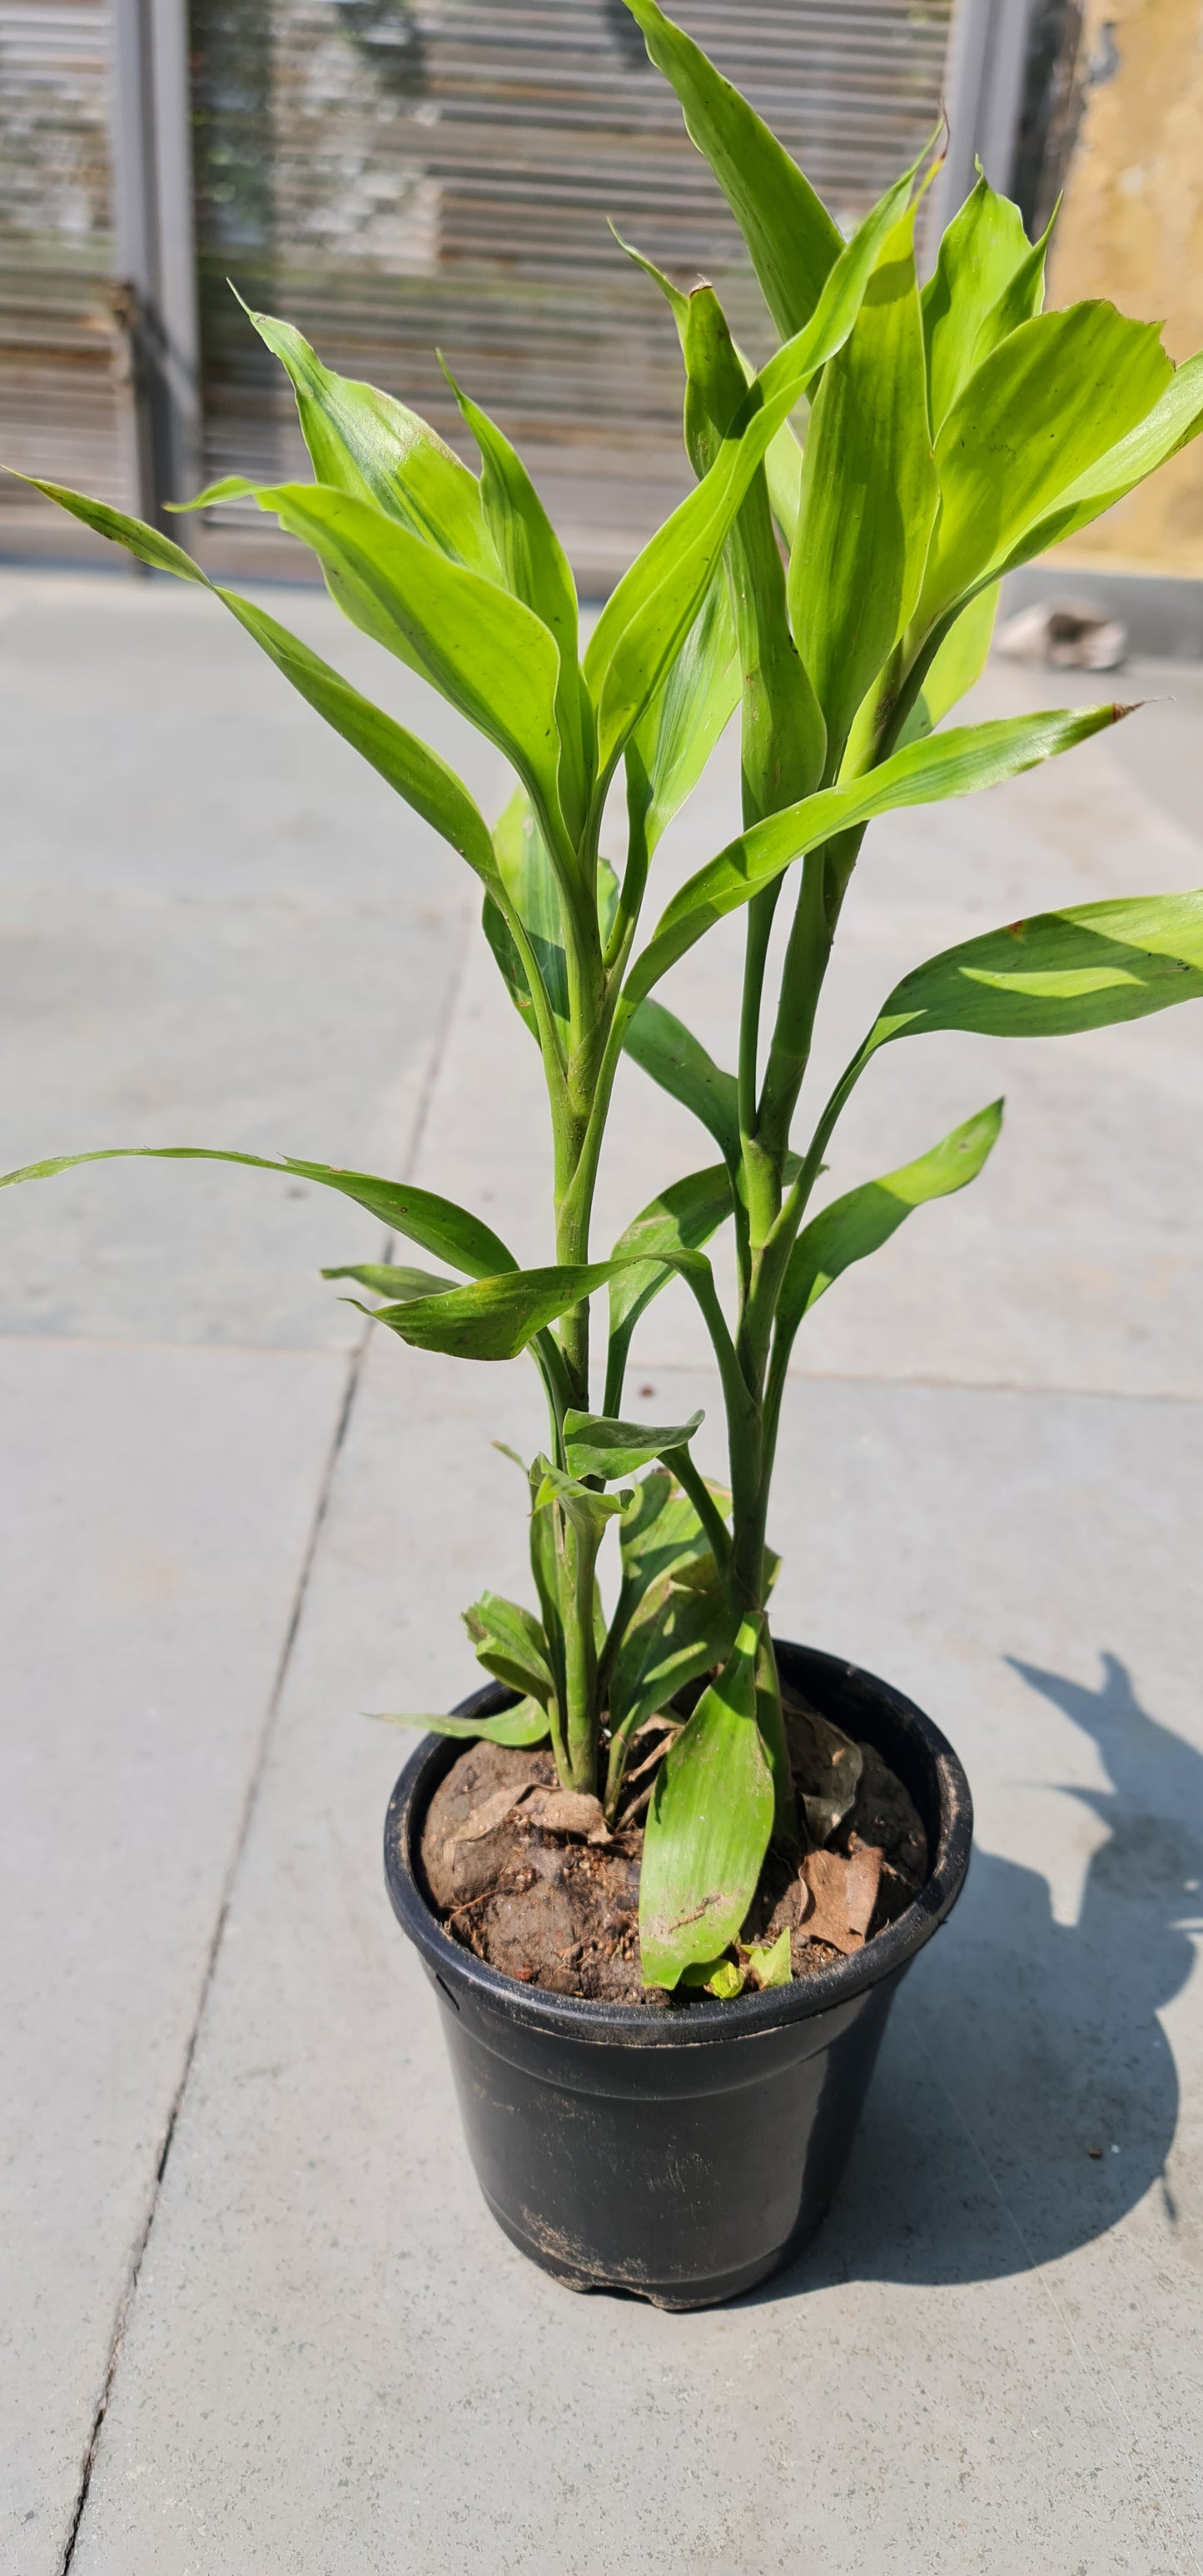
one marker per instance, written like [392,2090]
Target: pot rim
[580,2017]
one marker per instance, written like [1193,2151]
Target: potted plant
[664,1874]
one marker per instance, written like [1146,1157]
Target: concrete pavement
[257,2317]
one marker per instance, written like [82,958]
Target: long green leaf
[677,1631]
[366,443]
[662,1046]
[436,1223]
[537,571]
[983,249]
[647,617]
[869,496]
[1057,973]
[1048,404]
[673,740]
[527,1723]
[682,1218]
[481,648]
[958,763]
[595,1444]
[960,662]
[1172,423]
[495,1318]
[510,1643]
[660,1529]
[859,1223]
[410,766]
[708,1827]
[529,881]
[792,240]
[783,733]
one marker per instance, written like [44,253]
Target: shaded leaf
[959,763]
[708,1826]
[960,661]
[682,1218]
[389,1280]
[677,1631]
[495,1318]
[529,880]
[663,1047]
[596,1445]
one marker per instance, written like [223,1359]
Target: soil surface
[525,1874]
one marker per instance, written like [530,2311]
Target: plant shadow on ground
[1023,2043]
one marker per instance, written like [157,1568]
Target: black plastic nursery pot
[678,2155]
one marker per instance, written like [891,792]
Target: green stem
[580,1655]
[693,1483]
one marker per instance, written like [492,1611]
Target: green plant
[840,590]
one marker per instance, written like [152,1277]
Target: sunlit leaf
[869,495]
[647,617]
[983,250]
[477,645]
[366,443]
[409,765]
[537,571]
[959,763]
[527,1723]
[1043,410]
[1058,972]
[597,1445]
[792,240]
[708,1826]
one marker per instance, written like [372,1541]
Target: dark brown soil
[510,1867]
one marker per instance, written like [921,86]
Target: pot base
[677,2298]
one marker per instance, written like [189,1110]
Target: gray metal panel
[397,179]
[62,404]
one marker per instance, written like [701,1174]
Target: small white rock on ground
[295,2344]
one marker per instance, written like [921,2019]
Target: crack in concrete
[321,1510]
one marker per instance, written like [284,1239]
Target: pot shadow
[1026,2095]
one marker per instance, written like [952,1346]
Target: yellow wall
[1131,228]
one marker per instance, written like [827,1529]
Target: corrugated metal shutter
[62,411]
[395,177]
